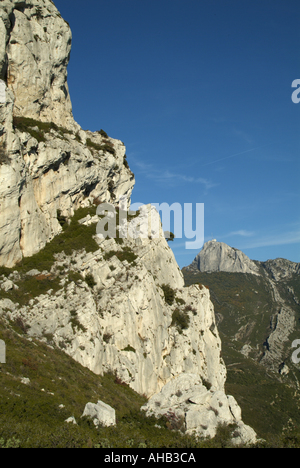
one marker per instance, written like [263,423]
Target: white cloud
[171,178]
[243,233]
[292,237]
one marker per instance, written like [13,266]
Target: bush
[75,322]
[61,219]
[180,319]
[4,158]
[106,147]
[25,124]
[129,348]
[103,133]
[169,293]
[169,236]
[125,254]
[89,279]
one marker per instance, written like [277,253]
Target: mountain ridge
[219,256]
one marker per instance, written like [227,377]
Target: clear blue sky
[200,93]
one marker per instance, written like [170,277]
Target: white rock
[124,324]
[244,434]
[217,256]
[25,381]
[70,420]
[7,285]
[2,352]
[100,413]
[202,410]
[33,272]
[7,304]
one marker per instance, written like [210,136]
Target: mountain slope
[258,319]
[217,256]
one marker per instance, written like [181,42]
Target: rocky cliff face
[36,45]
[48,164]
[217,256]
[124,309]
[120,306]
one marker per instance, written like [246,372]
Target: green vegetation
[4,157]
[76,325]
[169,293]
[180,319]
[61,219]
[170,236]
[125,254]
[129,348]
[106,147]
[38,129]
[89,279]
[60,387]
[269,402]
[30,287]
[103,133]
[74,236]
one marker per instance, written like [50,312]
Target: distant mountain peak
[218,256]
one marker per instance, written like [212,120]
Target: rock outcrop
[122,307]
[136,319]
[36,46]
[48,164]
[100,413]
[217,256]
[189,402]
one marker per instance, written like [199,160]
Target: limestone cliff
[48,164]
[218,256]
[124,309]
[122,306]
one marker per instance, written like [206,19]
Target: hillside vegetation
[243,306]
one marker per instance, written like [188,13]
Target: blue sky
[200,93]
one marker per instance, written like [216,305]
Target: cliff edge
[120,305]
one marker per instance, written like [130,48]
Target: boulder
[2,352]
[7,285]
[71,420]
[100,413]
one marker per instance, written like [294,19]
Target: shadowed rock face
[217,256]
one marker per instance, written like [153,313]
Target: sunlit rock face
[47,162]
